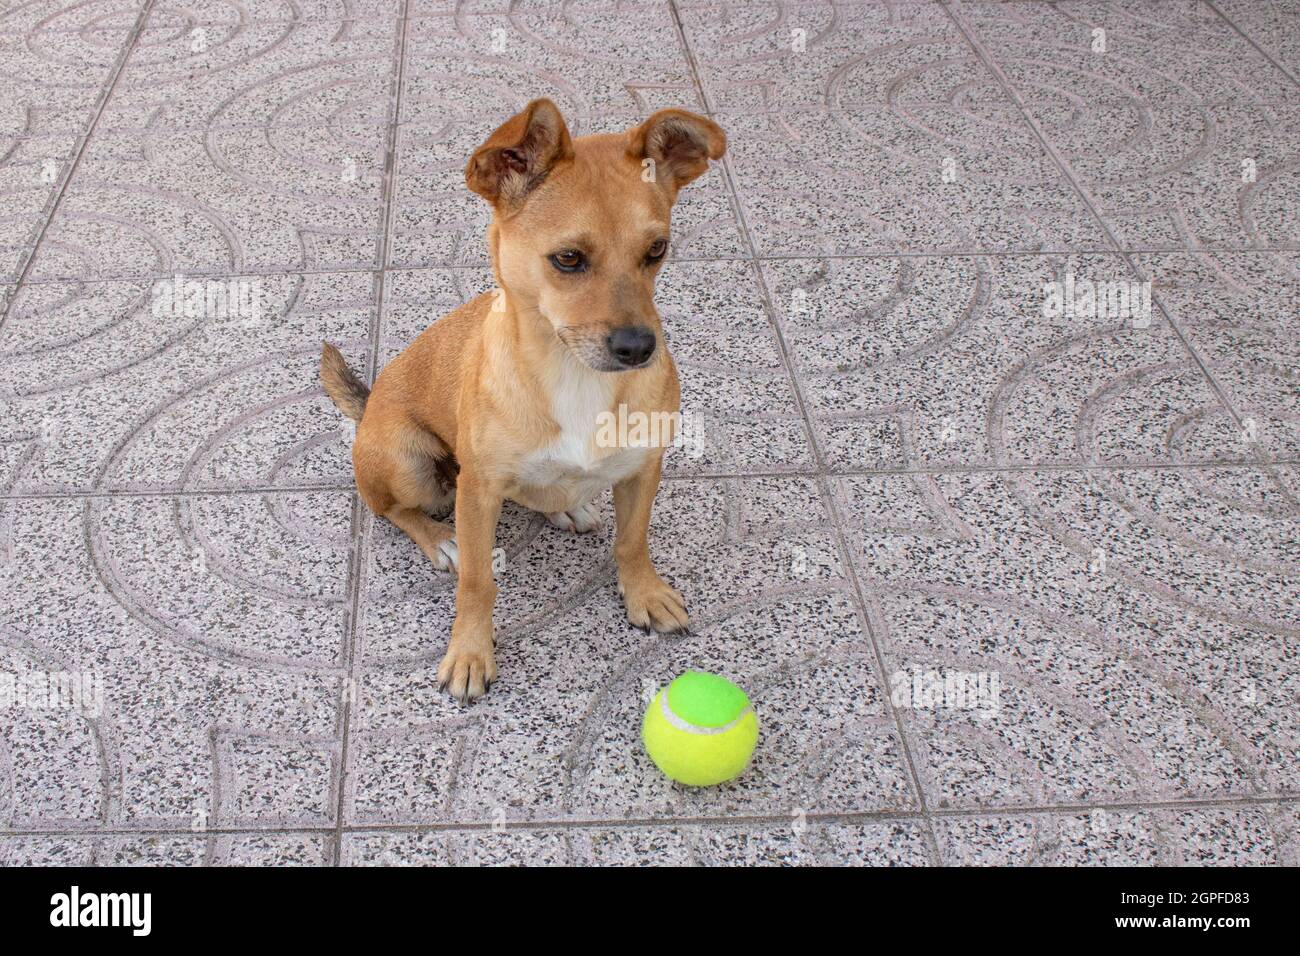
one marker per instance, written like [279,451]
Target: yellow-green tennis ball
[700,729]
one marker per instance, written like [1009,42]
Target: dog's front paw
[581,519]
[653,603]
[467,672]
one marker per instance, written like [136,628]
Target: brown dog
[504,397]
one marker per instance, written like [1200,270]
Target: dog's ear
[679,144]
[516,158]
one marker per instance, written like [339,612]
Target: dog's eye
[570,260]
[657,250]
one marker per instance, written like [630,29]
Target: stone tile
[1284,819]
[1099,837]
[51,81]
[207,634]
[198,75]
[1117,635]
[860,181]
[31,170]
[438,221]
[1238,312]
[40,17]
[558,736]
[1201,836]
[925,361]
[601,61]
[735,389]
[569,9]
[1173,51]
[154,203]
[714,844]
[1273,24]
[170,13]
[802,55]
[1176,177]
[102,393]
[242,849]
[1223,836]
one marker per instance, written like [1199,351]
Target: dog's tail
[341,384]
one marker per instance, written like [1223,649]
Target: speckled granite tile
[31,170]
[240,849]
[1199,836]
[210,632]
[50,82]
[1183,177]
[40,17]
[1284,820]
[100,392]
[1099,837]
[1272,24]
[152,203]
[1172,51]
[941,361]
[597,60]
[1239,311]
[817,54]
[559,733]
[569,9]
[438,221]
[198,75]
[720,844]
[245,12]
[1114,635]
[1221,836]
[860,181]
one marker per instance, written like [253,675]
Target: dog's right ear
[516,158]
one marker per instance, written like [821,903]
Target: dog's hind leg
[582,518]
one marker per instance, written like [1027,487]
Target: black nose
[630,345]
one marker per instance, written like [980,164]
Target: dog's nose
[630,345]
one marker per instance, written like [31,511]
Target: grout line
[823,487]
[1249,39]
[682,261]
[921,469]
[1067,172]
[359,530]
[848,817]
[106,93]
[629,114]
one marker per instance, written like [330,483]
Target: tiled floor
[1007,584]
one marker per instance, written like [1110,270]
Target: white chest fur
[575,467]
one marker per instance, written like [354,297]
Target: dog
[503,397]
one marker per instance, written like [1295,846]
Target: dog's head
[581,226]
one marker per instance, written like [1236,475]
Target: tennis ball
[700,729]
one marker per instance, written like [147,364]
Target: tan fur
[504,386]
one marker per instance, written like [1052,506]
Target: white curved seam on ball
[691,728]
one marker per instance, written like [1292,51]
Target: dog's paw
[585,517]
[656,604]
[467,673]
[447,557]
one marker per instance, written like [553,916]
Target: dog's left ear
[679,144]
